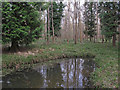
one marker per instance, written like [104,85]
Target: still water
[71,73]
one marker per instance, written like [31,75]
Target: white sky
[81,1]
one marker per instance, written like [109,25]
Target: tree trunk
[52,22]
[119,43]
[97,36]
[73,28]
[48,26]
[94,38]
[79,24]
[90,39]
[45,28]
[14,46]
[102,39]
[75,23]
[114,40]
[105,40]
[86,37]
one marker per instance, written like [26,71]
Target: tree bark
[102,39]
[14,46]
[48,26]
[94,38]
[90,39]
[44,28]
[119,36]
[73,28]
[68,22]
[75,23]
[114,40]
[97,37]
[52,22]
[106,41]
[79,24]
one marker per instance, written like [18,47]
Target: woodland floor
[105,56]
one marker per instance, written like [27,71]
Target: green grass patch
[105,56]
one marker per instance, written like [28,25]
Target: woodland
[38,32]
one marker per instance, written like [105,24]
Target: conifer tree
[58,8]
[109,20]
[21,23]
[89,19]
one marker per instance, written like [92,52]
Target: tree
[75,16]
[52,21]
[48,25]
[79,22]
[56,17]
[21,23]
[109,20]
[119,23]
[89,19]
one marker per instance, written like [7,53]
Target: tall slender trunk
[48,26]
[94,38]
[114,40]
[119,47]
[44,27]
[80,28]
[79,23]
[119,36]
[105,40]
[73,28]
[90,39]
[86,37]
[67,75]
[102,39]
[119,50]
[97,36]
[75,23]
[68,20]
[52,22]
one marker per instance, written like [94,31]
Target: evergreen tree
[21,23]
[57,16]
[109,19]
[89,19]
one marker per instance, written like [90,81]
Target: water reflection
[72,73]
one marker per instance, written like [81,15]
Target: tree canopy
[21,23]
[89,19]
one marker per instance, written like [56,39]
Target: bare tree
[79,21]
[48,26]
[52,21]
[45,26]
[75,15]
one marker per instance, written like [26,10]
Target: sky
[81,1]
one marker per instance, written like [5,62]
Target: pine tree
[89,19]
[109,20]
[20,23]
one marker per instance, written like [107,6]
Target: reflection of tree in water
[74,76]
[88,67]
[24,79]
[72,73]
[54,77]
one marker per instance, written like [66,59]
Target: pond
[71,73]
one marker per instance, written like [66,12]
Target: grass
[105,56]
